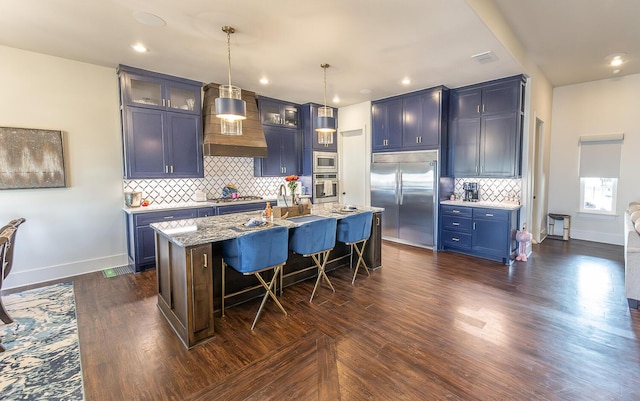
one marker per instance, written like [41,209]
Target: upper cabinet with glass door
[159,91]
[277,112]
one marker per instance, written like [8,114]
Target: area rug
[42,357]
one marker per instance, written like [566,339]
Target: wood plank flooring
[427,326]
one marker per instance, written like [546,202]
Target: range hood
[250,144]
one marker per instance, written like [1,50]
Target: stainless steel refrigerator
[405,184]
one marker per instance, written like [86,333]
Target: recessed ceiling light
[148,18]
[140,48]
[336,99]
[264,80]
[615,59]
[406,81]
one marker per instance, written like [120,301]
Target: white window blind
[600,155]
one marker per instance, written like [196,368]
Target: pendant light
[325,122]
[230,107]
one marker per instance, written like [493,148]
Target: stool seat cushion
[313,237]
[257,250]
[557,216]
[354,228]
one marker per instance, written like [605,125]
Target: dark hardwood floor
[427,326]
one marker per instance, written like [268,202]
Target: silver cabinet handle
[483,108]
[205,262]
[168,217]
[455,211]
[163,103]
[455,224]
[166,169]
[455,239]
[489,214]
[169,103]
[377,221]
[172,169]
[478,109]
[474,225]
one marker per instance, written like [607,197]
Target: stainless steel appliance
[405,184]
[470,191]
[325,187]
[325,162]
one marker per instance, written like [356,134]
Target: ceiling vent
[251,143]
[485,57]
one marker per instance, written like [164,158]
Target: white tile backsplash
[492,189]
[218,172]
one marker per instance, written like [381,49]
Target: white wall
[80,228]
[600,107]
[354,146]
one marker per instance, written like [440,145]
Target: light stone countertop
[192,232]
[157,207]
[485,204]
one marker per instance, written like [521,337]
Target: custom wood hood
[250,144]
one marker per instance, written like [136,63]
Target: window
[598,195]
[599,171]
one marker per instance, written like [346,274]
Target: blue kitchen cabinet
[161,125]
[386,125]
[414,121]
[206,211]
[283,153]
[240,208]
[484,232]
[485,129]
[309,134]
[278,113]
[141,237]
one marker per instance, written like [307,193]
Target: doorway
[539,221]
[354,186]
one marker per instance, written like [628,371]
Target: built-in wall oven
[325,162]
[325,187]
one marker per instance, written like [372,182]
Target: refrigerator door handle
[401,187]
[397,192]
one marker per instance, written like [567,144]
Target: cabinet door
[183,98]
[500,98]
[145,246]
[184,145]
[289,156]
[270,166]
[466,103]
[378,126]
[394,124]
[431,113]
[145,155]
[465,139]
[412,121]
[490,237]
[143,91]
[201,292]
[498,146]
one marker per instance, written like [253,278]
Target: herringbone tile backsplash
[218,172]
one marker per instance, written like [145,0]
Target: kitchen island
[189,266]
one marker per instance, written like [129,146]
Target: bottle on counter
[268,212]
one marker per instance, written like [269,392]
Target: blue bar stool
[315,238]
[254,253]
[355,230]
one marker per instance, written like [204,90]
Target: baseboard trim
[23,278]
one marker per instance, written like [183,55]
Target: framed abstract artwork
[31,158]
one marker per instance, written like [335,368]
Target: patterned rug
[42,357]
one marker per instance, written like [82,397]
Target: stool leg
[224,267]
[321,272]
[565,231]
[269,293]
[551,227]
[359,251]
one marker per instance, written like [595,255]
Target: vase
[293,199]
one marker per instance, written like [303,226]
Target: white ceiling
[370,44]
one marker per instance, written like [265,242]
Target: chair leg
[317,258]
[359,251]
[4,316]
[224,267]
[270,293]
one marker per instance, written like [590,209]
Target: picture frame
[31,158]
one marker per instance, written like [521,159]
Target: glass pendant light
[230,107]
[325,122]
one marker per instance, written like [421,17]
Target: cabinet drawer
[154,217]
[491,214]
[456,223]
[456,239]
[456,211]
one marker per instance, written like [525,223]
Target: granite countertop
[156,207]
[192,232]
[486,204]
